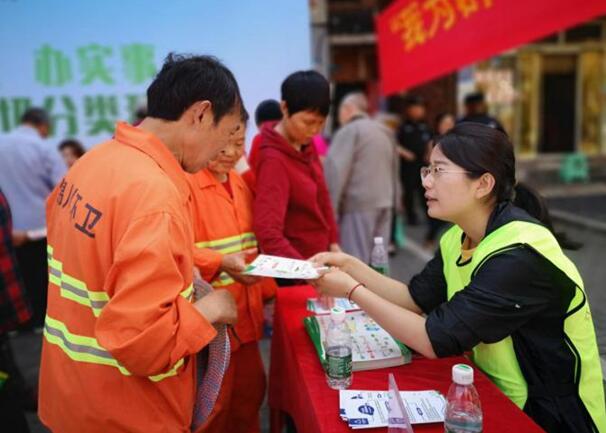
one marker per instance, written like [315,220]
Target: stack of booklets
[372,346]
[370,409]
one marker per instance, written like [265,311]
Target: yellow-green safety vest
[498,360]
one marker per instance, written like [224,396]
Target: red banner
[420,40]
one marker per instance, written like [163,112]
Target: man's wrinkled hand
[218,306]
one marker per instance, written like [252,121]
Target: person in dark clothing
[14,311]
[444,123]
[500,286]
[413,137]
[476,111]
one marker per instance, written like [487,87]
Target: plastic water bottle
[338,351]
[379,260]
[463,410]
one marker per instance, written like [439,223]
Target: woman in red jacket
[293,216]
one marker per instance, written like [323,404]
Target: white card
[282,267]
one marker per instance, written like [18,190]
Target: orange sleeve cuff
[269,289]
[195,331]
[208,262]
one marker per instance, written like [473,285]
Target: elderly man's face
[345,112]
[203,139]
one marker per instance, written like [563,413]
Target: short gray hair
[357,100]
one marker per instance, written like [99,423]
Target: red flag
[422,39]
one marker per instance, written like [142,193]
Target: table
[297,385]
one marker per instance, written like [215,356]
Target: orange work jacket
[223,225]
[121,334]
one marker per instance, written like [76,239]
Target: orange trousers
[241,395]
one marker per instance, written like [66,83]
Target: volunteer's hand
[334,283]
[335,248]
[19,237]
[339,260]
[234,264]
[218,306]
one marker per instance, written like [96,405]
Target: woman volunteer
[499,285]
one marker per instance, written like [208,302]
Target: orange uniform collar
[151,145]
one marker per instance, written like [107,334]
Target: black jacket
[414,136]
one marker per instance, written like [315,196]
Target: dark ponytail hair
[480,149]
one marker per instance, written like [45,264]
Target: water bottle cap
[378,240]
[337,314]
[462,374]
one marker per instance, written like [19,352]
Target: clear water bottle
[463,410]
[379,260]
[338,351]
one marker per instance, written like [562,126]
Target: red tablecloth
[298,387]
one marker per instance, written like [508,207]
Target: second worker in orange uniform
[224,240]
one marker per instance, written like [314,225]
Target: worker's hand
[234,264]
[19,237]
[334,283]
[340,260]
[218,306]
[335,248]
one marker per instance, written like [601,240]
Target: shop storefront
[549,95]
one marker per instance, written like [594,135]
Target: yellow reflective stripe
[249,240]
[223,280]
[86,349]
[73,289]
[232,249]
[249,244]
[218,242]
[172,372]
[77,347]
[187,293]
[232,244]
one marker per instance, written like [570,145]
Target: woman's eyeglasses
[436,171]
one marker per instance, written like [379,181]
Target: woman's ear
[485,186]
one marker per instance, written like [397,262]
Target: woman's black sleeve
[428,288]
[507,291]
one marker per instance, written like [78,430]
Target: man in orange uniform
[121,331]
[224,239]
